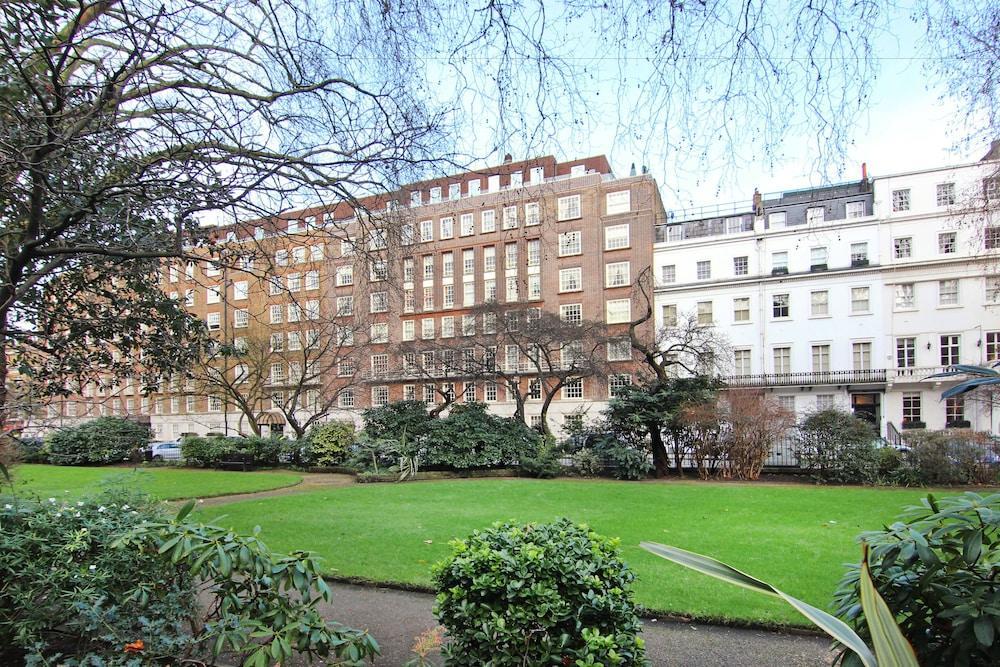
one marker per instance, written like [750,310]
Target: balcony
[870,376]
[919,374]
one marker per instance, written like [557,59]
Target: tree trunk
[661,463]
[6,442]
[678,455]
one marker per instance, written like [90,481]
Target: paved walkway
[394,618]
[311,481]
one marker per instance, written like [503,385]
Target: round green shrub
[538,594]
[327,444]
[936,568]
[100,441]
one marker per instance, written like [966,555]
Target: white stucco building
[848,295]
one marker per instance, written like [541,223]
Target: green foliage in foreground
[537,594]
[110,581]
[162,483]
[937,569]
[799,535]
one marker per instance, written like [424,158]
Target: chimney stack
[508,158]
[632,170]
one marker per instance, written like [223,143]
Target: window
[911,407]
[534,252]
[782,358]
[346,247]
[345,275]
[948,292]
[741,265]
[426,231]
[616,237]
[346,368]
[493,183]
[468,261]
[428,267]
[570,243]
[902,248]
[815,214]
[569,208]
[617,274]
[573,389]
[704,270]
[512,289]
[991,188]
[859,254]
[490,392]
[776,220]
[488,221]
[669,314]
[535,390]
[819,305]
[212,295]
[241,290]
[571,313]
[468,325]
[510,217]
[379,302]
[824,401]
[741,309]
[454,191]
[467,224]
[992,289]
[741,362]
[312,280]
[274,285]
[295,341]
[619,349]
[906,352]
[993,346]
[489,259]
[428,298]
[345,305]
[779,262]
[862,356]
[992,238]
[947,243]
[945,194]
[571,280]
[189,271]
[214,321]
[950,344]
[821,358]
[277,372]
[787,403]
[409,330]
[300,254]
[855,209]
[860,299]
[293,312]
[617,382]
[447,228]
[448,326]
[380,396]
[427,328]
[905,298]
[779,305]
[344,335]
[435,195]
[172,274]
[954,411]
[379,333]
[668,273]
[213,292]
[490,290]
[294,282]
[532,216]
[469,293]
[241,318]
[447,265]
[534,286]
[618,202]
[619,311]
[516,179]
[510,256]
[704,313]
[901,200]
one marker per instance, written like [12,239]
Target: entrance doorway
[866,406]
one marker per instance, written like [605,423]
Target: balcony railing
[870,376]
[916,374]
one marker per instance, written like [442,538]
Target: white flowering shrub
[111,581]
[68,597]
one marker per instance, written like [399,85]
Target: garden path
[395,617]
[311,481]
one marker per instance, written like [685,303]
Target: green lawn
[160,482]
[798,537]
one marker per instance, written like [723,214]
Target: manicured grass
[798,537]
[163,483]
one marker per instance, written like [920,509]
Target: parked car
[169,450]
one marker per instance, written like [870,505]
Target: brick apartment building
[314,317]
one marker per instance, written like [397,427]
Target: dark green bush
[835,446]
[936,568]
[543,462]
[392,421]
[472,437]
[952,457]
[212,450]
[537,594]
[31,450]
[587,462]
[100,441]
[625,460]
